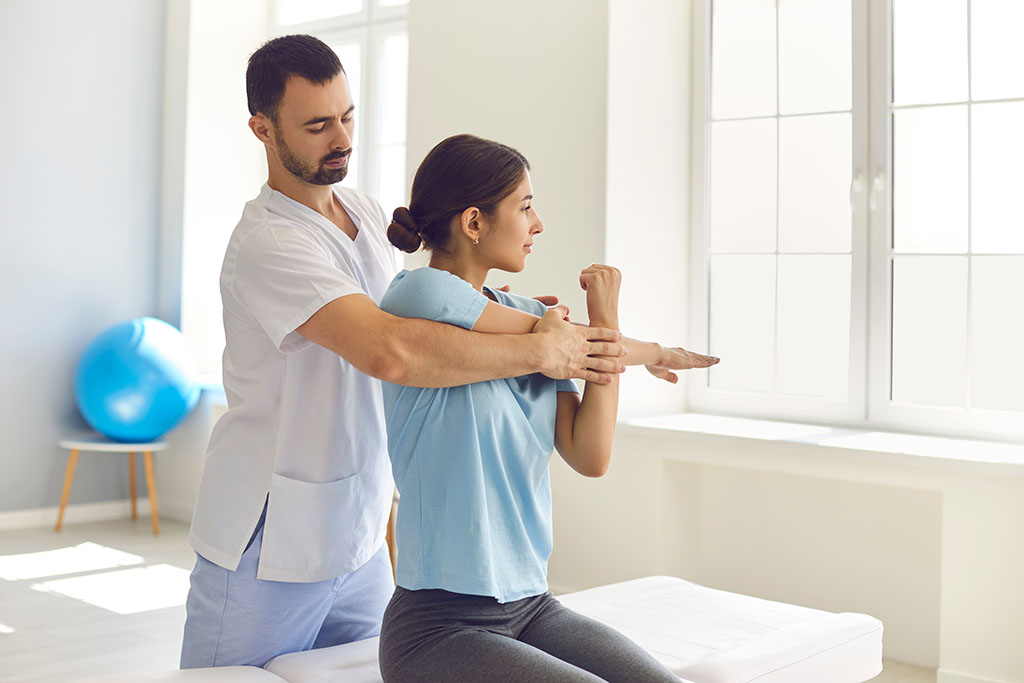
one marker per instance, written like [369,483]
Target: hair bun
[403,232]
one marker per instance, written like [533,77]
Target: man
[290,518]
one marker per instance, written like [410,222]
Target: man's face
[313,133]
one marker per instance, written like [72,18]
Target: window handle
[856,187]
[877,188]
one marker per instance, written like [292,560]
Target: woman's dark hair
[277,60]
[460,172]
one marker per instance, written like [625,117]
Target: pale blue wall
[80,129]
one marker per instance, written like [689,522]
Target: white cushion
[703,635]
[352,663]
[713,636]
[222,674]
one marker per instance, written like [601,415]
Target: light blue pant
[233,618]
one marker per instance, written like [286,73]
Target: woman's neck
[462,266]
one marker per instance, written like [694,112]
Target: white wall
[931,548]
[531,74]
[648,183]
[79,205]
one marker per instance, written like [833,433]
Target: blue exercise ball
[136,380]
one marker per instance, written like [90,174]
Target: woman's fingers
[681,359]
[663,373]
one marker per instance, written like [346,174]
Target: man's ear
[469,222]
[262,128]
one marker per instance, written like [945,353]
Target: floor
[121,608]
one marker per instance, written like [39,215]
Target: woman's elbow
[596,465]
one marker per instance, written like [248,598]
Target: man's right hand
[575,352]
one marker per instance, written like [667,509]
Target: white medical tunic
[304,430]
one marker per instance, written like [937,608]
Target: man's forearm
[431,354]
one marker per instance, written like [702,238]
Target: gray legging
[434,635]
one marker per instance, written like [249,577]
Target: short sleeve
[284,276]
[434,294]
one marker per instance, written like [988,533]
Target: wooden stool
[101,444]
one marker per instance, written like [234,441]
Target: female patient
[471,462]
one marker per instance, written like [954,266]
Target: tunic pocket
[318,530]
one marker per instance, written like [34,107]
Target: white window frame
[868,404]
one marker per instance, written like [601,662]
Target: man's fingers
[547,299]
[606,349]
[591,376]
[612,365]
[604,334]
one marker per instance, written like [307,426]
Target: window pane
[351,56]
[997,168]
[742,322]
[391,177]
[743,58]
[394,67]
[929,330]
[997,332]
[930,180]
[392,3]
[997,51]
[814,183]
[300,11]
[815,60]
[743,186]
[814,325]
[929,44]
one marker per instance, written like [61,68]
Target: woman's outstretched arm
[660,360]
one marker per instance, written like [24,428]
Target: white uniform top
[303,425]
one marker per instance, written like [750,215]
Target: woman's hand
[602,286]
[678,358]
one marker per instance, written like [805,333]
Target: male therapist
[290,519]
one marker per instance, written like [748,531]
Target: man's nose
[343,138]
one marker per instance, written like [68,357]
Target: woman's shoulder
[520,302]
[435,295]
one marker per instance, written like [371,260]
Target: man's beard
[318,176]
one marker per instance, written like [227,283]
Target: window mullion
[879,211]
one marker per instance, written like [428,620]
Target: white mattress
[222,674]
[703,635]
[712,636]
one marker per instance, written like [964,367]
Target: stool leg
[151,487]
[131,478]
[69,474]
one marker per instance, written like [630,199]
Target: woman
[471,462]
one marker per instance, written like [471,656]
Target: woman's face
[507,237]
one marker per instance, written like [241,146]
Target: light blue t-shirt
[470,462]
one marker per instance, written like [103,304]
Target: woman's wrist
[609,321]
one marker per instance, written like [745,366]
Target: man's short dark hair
[277,60]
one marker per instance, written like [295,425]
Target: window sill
[989,456]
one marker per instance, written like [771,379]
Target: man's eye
[347,119]
[321,129]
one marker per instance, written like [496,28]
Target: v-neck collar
[324,220]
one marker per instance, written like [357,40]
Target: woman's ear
[469,222]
